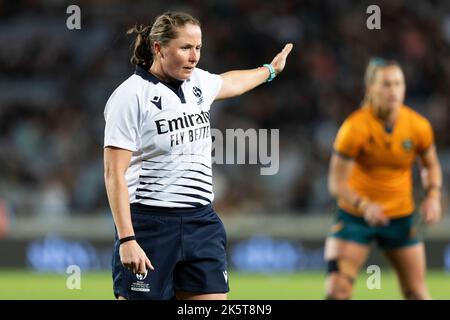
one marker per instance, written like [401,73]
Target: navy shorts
[187,248]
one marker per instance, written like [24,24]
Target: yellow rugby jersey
[383,161]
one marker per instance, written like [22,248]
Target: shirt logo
[407,145]
[157,102]
[198,93]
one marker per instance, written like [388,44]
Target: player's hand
[431,209]
[374,215]
[134,258]
[279,61]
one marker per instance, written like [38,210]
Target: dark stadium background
[54,83]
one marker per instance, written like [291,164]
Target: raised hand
[279,61]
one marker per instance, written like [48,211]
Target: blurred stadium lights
[256,243]
[263,253]
[447,259]
[55,254]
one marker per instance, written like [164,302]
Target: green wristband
[272,72]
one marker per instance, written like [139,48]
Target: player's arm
[339,174]
[116,162]
[237,82]
[431,174]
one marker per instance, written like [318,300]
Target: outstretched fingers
[280,59]
[287,49]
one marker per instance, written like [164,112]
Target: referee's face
[180,56]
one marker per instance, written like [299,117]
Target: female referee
[157,157]
[371,178]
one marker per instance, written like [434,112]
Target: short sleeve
[122,120]
[211,85]
[424,136]
[349,139]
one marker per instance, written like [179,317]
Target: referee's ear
[157,49]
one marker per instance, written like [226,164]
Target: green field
[298,286]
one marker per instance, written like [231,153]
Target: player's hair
[162,31]
[373,66]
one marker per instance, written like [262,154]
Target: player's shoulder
[355,124]
[358,122]
[413,115]
[358,117]
[417,121]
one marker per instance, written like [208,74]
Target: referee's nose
[194,55]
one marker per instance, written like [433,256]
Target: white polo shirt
[168,130]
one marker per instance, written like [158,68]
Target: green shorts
[400,232]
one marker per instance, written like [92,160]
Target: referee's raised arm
[237,82]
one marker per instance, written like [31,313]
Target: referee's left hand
[279,61]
